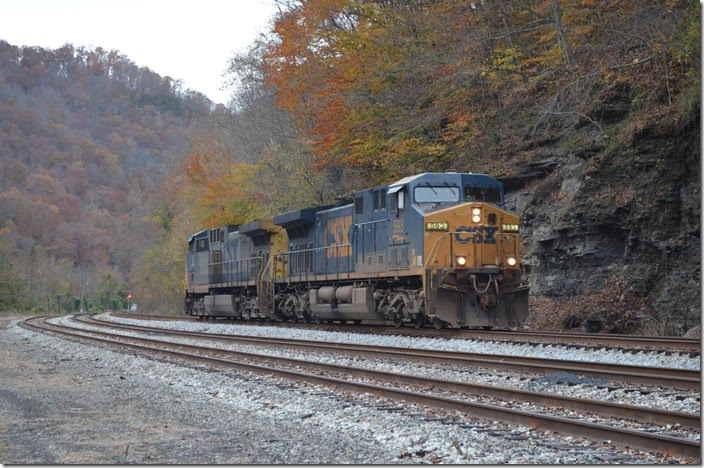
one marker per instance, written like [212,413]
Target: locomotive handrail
[372,222]
[438,243]
[512,237]
[261,281]
[266,279]
[325,248]
[230,272]
[266,268]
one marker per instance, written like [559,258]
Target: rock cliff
[611,226]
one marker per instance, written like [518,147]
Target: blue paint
[481,234]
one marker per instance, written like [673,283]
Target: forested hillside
[86,140]
[587,110]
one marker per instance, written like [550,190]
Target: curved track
[642,375]
[282,367]
[596,340]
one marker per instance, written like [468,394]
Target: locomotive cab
[471,259]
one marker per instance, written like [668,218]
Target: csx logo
[475,234]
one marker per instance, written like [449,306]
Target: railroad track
[587,340]
[642,375]
[288,368]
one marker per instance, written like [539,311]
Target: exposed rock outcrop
[616,228]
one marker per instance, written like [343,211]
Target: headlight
[511,261]
[460,260]
[476,218]
[476,211]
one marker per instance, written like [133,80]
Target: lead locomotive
[435,248]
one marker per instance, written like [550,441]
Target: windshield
[488,194]
[439,194]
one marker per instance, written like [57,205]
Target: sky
[187,40]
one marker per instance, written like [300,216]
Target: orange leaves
[337,66]
[217,188]
[401,86]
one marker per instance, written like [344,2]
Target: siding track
[284,367]
[587,340]
[641,375]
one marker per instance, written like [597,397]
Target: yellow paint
[398,231]
[279,243]
[337,233]
[440,248]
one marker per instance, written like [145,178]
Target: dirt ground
[55,415]
[71,407]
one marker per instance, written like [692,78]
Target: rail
[590,340]
[644,414]
[221,358]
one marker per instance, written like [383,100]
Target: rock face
[695,332]
[613,228]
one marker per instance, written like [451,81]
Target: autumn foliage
[87,139]
[404,86]
[216,187]
[107,168]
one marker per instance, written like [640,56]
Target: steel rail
[580,404]
[598,432]
[564,338]
[666,377]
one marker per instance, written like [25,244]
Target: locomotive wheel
[398,321]
[419,321]
[438,324]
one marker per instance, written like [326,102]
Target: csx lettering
[458,234]
[475,234]
[489,234]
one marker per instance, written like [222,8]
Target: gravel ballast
[549,351]
[560,384]
[67,402]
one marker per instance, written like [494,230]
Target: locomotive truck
[431,249]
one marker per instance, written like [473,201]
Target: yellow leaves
[381,86]
[612,75]
[505,66]
[460,131]
[216,187]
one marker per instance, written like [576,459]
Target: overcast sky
[187,40]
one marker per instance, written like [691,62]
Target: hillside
[86,140]
[588,111]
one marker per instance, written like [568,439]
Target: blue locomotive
[434,248]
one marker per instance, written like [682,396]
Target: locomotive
[431,249]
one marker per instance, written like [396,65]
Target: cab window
[436,194]
[485,194]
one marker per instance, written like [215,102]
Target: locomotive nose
[472,235]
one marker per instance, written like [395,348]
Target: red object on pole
[129,296]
